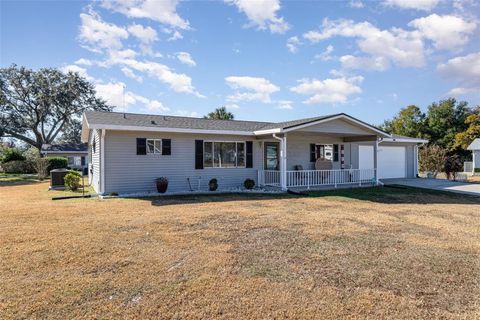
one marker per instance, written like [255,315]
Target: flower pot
[162,184]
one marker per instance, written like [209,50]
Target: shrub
[56,163]
[249,184]
[32,154]
[72,180]
[213,184]
[453,165]
[476,170]
[12,154]
[432,158]
[41,166]
[17,166]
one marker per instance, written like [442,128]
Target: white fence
[312,178]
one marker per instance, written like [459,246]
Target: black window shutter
[335,152]
[312,152]
[198,154]
[166,147]
[141,146]
[82,161]
[249,154]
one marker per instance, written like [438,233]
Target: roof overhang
[346,117]
[85,135]
[404,140]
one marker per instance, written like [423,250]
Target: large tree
[220,114]
[464,138]
[444,120]
[72,132]
[409,122]
[35,106]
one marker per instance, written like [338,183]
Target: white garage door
[391,162]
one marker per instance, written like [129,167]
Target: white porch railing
[269,178]
[312,178]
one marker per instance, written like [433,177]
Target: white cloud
[146,35]
[164,11]
[325,55]
[446,32]
[186,58]
[357,4]
[74,68]
[251,89]
[465,70]
[113,94]
[425,5]
[232,106]
[396,46]
[285,104]
[186,113]
[262,14]
[129,73]
[84,62]
[97,35]
[329,90]
[178,82]
[174,34]
[293,43]
[366,63]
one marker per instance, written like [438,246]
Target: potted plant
[162,184]
[213,184]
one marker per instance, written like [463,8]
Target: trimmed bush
[12,154]
[213,184]
[18,167]
[72,180]
[56,163]
[249,184]
[477,170]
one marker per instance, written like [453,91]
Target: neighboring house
[129,151]
[475,148]
[76,153]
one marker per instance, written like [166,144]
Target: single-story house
[475,148]
[76,153]
[129,151]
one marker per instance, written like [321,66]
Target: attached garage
[392,162]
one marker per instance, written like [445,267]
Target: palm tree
[220,114]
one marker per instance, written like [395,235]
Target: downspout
[283,161]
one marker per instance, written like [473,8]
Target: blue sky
[265,60]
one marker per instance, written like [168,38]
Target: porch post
[375,162]
[283,162]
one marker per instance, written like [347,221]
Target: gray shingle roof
[66,147]
[146,120]
[475,145]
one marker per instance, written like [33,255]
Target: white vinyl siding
[127,172]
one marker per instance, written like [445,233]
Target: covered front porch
[333,153]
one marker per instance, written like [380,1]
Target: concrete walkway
[437,184]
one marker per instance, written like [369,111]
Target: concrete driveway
[437,184]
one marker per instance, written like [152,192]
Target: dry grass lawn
[370,253]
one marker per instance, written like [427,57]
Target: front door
[271,155]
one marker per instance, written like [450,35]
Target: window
[224,154]
[154,146]
[324,151]
[74,161]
